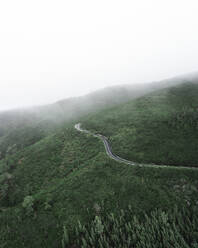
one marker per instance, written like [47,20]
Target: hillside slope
[66,176]
[23,127]
[160,128]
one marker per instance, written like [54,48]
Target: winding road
[122,160]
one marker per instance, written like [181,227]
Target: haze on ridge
[55,50]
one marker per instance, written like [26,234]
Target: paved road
[122,160]
[106,145]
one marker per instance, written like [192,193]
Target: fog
[51,50]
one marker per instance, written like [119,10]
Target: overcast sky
[51,50]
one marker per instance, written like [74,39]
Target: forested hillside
[23,127]
[160,128]
[61,189]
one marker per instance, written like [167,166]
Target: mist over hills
[36,123]
[154,128]
[52,176]
[75,107]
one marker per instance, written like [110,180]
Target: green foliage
[65,178]
[160,128]
[98,226]
[22,128]
[175,228]
[65,239]
[28,204]
[99,186]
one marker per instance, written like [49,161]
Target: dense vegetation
[64,177]
[176,228]
[155,128]
[62,196]
[24,127]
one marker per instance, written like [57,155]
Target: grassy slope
[160,128]
[68,172]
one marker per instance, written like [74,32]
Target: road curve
[122,160]
[106,145]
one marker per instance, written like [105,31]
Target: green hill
[160,128]
[23,127]
[64,176]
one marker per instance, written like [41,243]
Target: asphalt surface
[122,160]
[106,145]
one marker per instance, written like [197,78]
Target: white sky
[51,50]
